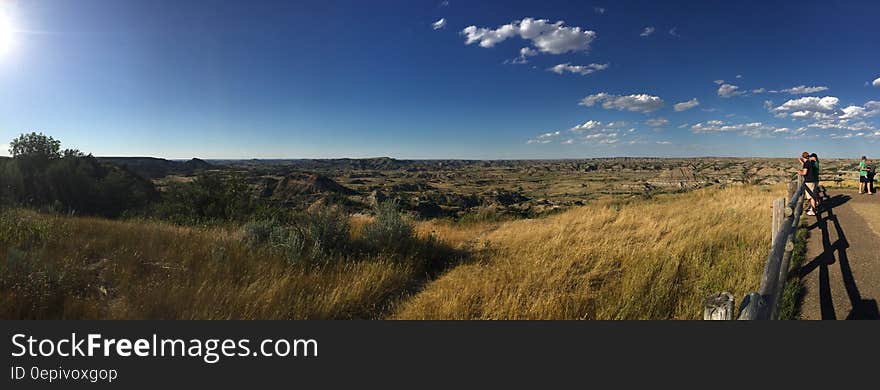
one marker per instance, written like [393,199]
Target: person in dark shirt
[810,172]
[866,176]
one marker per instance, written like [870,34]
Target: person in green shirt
[815,159]
[866,184]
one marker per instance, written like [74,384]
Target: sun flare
[6,34]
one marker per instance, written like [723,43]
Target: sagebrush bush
[389,231]
[321,234]
[258,232]
[291,243]
[328,231]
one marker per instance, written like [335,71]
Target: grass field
[614,259]
[643,259]
[85,268]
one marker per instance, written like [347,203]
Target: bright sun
[6,34]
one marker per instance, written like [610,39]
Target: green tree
[41,175]
[209,198]
[35,146]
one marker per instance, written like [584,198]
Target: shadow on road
[862,309]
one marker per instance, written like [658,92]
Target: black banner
[429,354]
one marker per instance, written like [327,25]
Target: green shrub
[389,231]
[258,232]
[321,234]
[291,243]
[210,198]
[328,231]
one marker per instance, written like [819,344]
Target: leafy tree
[209,198]
[41,175]
[36,146]
[72,153]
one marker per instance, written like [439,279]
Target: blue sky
[499,79]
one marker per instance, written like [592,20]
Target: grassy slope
[93,268]
[638,259]
[648,259]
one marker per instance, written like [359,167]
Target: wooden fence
[764,304]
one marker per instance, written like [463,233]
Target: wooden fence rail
[764,304]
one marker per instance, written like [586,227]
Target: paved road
[842,264]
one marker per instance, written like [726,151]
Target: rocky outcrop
[306,183]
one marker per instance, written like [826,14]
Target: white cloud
[825,104]
[592,125]
[588,125]
[444,3]
[545,138]
[579,69]
[602,138]
[599,10]
[798,90]
[718,82]
[657,122]
[728,90]
[674,32]
[589,132]
[486,37]
[553,38]
[439,24]
[635,103]
[739,76]
[876,82]
[647,31]
[524,55]
[753,129]
[664,142]
[825,113]
[596,132]
[803,90]
[870,109]
[683,106]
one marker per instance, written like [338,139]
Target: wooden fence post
[719,307]
[778,217]
[751,305]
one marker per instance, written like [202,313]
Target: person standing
[815,159]
[810,172]
[866,184]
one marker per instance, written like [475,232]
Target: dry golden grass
[459,236]
[645,259]
[84,268]
[635,259]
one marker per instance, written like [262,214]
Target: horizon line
[461,159]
